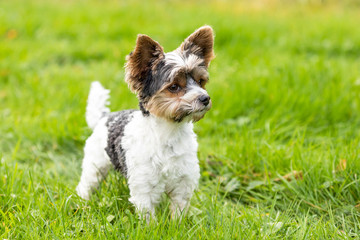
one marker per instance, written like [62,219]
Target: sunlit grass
[279,151]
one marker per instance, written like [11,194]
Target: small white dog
[154,148]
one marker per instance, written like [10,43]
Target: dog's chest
[168,150]
[171,156]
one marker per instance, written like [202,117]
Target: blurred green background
[279,150]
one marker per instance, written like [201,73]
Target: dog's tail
[96,104]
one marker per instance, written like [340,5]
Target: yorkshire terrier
[155,147]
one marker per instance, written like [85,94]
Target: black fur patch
[116,124]
[143,110]
[152,82]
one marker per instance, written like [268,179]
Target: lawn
[279,150]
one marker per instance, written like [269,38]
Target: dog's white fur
[164,161]
[96,162]
[161,156]
[96,104]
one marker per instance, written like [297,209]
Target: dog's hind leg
[96,162]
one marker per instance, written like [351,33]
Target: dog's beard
[177,110]
[191,111]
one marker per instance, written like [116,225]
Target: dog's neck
[166,129]
[144,111]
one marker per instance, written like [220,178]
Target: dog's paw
[83,192]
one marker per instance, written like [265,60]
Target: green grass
[285,87]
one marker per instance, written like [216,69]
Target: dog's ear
[201,43]
[146,55]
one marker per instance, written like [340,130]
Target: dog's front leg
[145,193]
[180,196]
[145,204]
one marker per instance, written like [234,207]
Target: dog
[155,147]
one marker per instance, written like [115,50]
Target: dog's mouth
[191,112]
[196,114]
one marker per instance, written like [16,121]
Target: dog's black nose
[204,99]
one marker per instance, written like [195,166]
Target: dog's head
[172,85]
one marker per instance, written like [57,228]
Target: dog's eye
[202,82]
[174,88]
